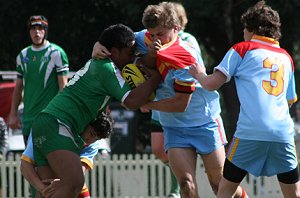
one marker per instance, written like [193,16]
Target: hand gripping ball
[134,77]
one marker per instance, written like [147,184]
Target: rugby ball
[134,77]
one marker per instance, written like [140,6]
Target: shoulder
[24,50]
[242,47]
[55,47]
[185,35]
[102,65]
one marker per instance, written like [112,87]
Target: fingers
[196,69]
[14,123]
[100,51]
[50,189]
[144,110]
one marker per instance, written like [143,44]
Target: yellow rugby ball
[134,77]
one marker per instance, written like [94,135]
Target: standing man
[42,70]
[263,143]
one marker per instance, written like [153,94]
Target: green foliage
[75,26]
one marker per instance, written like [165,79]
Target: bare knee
[160,153]
[214,183]
[188,186]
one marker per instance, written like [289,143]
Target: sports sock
[244,194]
[85,193]
[175,188]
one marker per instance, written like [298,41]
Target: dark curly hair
[262,20]
[119,36]
[103,125]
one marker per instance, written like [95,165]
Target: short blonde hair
[181,14]
[163,14]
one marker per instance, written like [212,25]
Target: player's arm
[28,171]
[149,59]
[62,81]
[209,82]
[100,51]
[13,120]
[178,103]
[140,95]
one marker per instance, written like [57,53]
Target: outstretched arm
[209,82]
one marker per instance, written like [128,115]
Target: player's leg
[157,145]
[183,164]
[229,184]
[213,163]
[289,183]
[85,193]
[45,174]
[282,161]
[54,147]
[285,158]
[67,167]
[213,153]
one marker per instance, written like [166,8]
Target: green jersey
[39,68]
[87,93]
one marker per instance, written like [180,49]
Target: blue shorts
[204,139]
[262,158]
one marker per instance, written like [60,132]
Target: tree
[75,25]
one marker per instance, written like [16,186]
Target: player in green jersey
[42,70]
[56,130]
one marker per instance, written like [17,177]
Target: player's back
[265,82]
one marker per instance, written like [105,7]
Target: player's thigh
[183,162]
[45,172]
[214,163]
[66,165]
[157,141]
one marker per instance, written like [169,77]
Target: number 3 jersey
[264,77]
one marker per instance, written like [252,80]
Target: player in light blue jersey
[263,143]
[189,114]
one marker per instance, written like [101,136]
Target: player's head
[37,26]
[99,128]
[183,20]
[119,40]
[262,20]
[161,21]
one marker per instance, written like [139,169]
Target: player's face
[247,35]
[37,34]
[124,56]
[89,136]
[165,35]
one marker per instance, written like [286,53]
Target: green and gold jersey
[87,93]
[39,68]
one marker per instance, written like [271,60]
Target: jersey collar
[265,40]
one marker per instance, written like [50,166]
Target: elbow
[131,104]
[209,87]
[181,109]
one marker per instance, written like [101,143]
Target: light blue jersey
[264,77]
[173,63]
